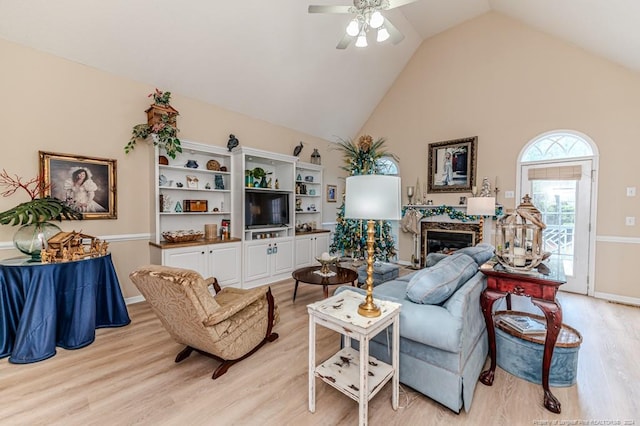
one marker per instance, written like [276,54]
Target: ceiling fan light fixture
[362,40]
[376,20]
[383,34]
[353,29]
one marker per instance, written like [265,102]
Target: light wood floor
[127,376]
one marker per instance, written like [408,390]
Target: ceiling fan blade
[398,3]
[329,9]
[394,34]
[344,42]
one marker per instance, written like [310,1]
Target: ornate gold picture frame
[86,183]
[452,165]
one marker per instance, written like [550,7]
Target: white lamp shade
[376,19]
[353,29]
[361,41]
[374,197]
[383,34]
[481,206]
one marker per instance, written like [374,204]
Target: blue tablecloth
[60,304]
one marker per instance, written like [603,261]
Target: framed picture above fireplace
[452,165]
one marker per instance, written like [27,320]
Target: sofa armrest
[465,304]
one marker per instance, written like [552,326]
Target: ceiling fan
[367,16]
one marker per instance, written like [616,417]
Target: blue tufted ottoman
[522,355]
[382,272]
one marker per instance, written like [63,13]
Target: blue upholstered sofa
[443,338]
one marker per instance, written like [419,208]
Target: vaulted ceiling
[276,62]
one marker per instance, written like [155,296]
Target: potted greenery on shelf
[160,126]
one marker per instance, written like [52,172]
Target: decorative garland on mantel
[452,212]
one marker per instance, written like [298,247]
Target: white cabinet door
[283,256]
[224,263]
[194,258]
[304,251]
[257,260]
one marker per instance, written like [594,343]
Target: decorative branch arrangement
[37,210]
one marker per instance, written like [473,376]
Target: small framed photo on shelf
[331,193]
[192,182]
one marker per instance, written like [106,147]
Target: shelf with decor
[311,242]
[264,211]
[308,187]
[194,193]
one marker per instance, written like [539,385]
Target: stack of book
[523,324]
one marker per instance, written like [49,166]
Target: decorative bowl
[325,261]
[182,236]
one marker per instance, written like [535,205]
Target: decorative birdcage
[519,244]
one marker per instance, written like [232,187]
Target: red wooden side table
[541,286]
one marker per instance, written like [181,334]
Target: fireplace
[446,237]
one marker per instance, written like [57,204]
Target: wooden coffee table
[308,275]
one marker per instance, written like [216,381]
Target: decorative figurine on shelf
[486,188]
[298,205]
[207,186]
[298,149]
[233,142]
[178,208]
[219,182]
[315,157]
[277,186]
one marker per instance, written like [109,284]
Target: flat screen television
[264,209]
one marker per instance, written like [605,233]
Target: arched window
[556,146]
[387,166]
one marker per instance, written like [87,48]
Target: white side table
[348,370]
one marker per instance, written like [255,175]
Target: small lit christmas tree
[350,236]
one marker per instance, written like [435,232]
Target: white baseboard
[134,299]
[617,298]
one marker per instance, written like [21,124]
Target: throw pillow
[433,258]
[434,285]
[480,253]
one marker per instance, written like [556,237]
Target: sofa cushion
[480,253]
[433,258]
[434,285]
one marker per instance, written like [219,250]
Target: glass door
[562,193]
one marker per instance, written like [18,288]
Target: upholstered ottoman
[382,272]
[523,358]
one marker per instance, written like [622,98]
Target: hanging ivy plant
[160,128]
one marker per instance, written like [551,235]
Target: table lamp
[372,197]
[481,206]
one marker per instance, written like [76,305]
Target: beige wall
[55,105]
[491,77]
[506,83]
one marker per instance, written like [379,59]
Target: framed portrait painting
[85,183]
[331,193]
[452,165]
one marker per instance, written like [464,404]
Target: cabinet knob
[202,253]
